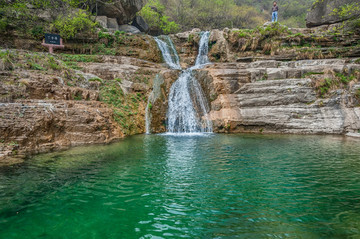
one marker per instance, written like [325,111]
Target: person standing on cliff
[275,9]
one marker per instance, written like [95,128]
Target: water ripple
[192,186]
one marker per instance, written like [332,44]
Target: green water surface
[205,186]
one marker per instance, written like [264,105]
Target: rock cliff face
[322,13]
[290,84]
[123,10]
[280,97]
[43,111]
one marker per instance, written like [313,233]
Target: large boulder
[123,10]
[140,24]
[322,12]
[219,50]
[129,29]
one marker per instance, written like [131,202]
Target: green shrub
[325,86]
[118,80]
[37,32]
[345,79]
[156,18]
[80,58]
[3,25]
[8,59]
[70,25]
[96,79]
[35,66]
[118,33]
[78,96]
[53,64]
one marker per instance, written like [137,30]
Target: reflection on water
[198,186]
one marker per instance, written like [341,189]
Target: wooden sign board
[53,39]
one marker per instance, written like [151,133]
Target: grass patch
[125,107]
[333,81]
[345,79]
[96,79]
[80,58]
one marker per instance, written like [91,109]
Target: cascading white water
[169,52]
[147,117]
[171,58]
[202,57]
[188,108]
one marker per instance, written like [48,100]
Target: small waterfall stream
[169,52]
[171,58]
[188,108]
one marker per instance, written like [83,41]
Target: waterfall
[188,108]
[147,116]
[171,58]
[202,57]
[169,52]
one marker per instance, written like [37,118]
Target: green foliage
[69,26]
[96,79]
[267,38]
[3,25]
[8,59]
[125,107]
[53,64]
[346,11]
[80,58]
[37,32]
[156,18]
[325,87]
[245,33]
[313,73]
[272,30]
[336,80]
[357,93]
[345,79]
[119,33]
[112,94]
[78,96]
[210,14]
[35,66]
[118,80]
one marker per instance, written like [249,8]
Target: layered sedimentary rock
[42,112]
[279,97]
[34,126]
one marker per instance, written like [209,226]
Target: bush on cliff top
[72,24]
[153,13]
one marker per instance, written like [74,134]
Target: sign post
[52,41]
